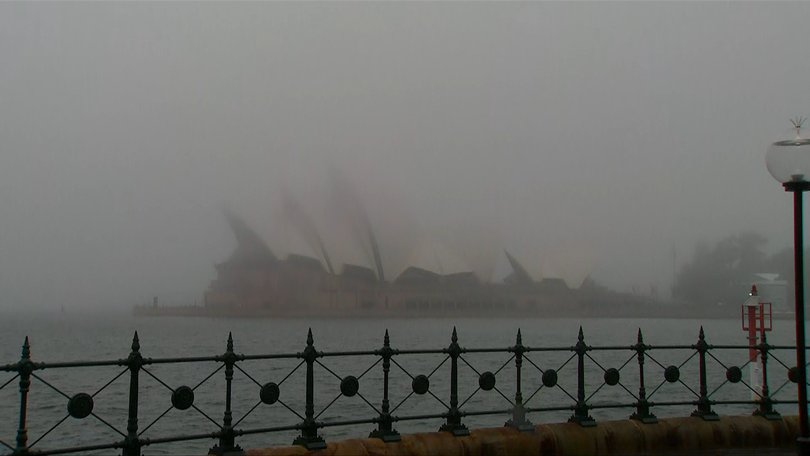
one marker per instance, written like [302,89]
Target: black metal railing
[534,370]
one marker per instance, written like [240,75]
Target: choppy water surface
[81,337]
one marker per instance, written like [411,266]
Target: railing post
[309,437]
[453,424]
[24,368]
[519,420]
[765,403]
[227,444]
[642,412]
[581,408]
[704,406]
[132,443]
[385,430]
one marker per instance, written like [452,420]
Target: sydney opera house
[255,281]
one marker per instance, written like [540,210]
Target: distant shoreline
[629,311]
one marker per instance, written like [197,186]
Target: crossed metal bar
[133,439]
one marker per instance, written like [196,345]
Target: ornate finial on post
[518,420]
[453,424]
[798,123]
[227,439]
[309,437]
[26,349]
[25,366]
[642,412]
[385,431]
[132,444]
[765,401]
[704,406]
[581,408]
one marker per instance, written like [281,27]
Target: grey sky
[607,132]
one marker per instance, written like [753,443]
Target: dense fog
[602,139]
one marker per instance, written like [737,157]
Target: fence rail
[523,361]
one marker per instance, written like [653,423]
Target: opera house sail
[254,281]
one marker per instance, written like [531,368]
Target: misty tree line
[724,272]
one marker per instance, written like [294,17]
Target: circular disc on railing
[349,386]
[672,374]
[269,393]
[182,398]
[549,378]
[420,384]
[486,381]
[793,374]
[734,374]
[80,406]
[612,376]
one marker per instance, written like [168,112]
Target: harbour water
[70,337]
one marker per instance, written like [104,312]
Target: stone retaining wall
[625,437]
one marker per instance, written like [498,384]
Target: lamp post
[789,163]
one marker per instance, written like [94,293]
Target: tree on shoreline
[721,273]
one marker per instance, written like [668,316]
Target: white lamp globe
[789,160]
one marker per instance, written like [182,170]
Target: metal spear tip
[519,338]
[136,344]
[310,340]
[230,341]
[701,335]
[639,337]
[581,335]
[26,348]
[386,339]
[454,337]
[798,123]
